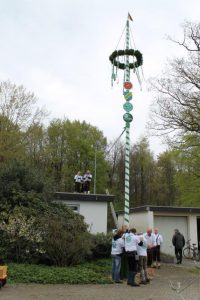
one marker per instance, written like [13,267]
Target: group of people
[142,252]
[82,182]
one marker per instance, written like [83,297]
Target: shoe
[119,281]
[134,284]
[147,280]
[178,262]
[143,282]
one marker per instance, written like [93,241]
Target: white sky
[59,49]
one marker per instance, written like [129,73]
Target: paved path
[158,289]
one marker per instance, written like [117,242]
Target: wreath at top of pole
[131,52]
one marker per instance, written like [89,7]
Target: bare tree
[18,105]
[176,109]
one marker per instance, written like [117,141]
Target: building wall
[140,220]
[166,226]
[192,229]
[166,223]
[94,213]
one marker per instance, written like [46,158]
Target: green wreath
[136,53]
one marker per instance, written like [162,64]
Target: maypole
[125,64]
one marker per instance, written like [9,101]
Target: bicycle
[191,252]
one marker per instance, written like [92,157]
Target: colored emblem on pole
[127,117]
[128,106]
[128,85]
[127,95]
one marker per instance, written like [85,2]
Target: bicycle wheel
[196,256]
[187,252]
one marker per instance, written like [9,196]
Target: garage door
[166,226]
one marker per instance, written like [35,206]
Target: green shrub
[96,272]
[33,229]
[64,244]
[102,245]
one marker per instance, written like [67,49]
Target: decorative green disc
[127,117]
[127,106]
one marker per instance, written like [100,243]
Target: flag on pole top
[129,17]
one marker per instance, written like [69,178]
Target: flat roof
[162,209]
[62,196]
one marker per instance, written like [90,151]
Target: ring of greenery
[131,52]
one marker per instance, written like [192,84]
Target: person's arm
[183,241]
[154,240]
[174,240]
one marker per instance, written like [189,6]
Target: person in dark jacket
[178,242]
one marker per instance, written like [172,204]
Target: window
[74,207]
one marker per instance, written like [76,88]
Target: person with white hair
[87,178]
[156,249]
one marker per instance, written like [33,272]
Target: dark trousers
[156,253]
[132,267]
[179,255]
[149,257]
[86,186]
[78,187]
[132,263]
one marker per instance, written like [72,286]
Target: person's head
[79,173]
[88,172]
[156,230]
[176,231]
[125,228]
[120,232]
[133,230]
[149,231]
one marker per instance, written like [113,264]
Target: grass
[94,272]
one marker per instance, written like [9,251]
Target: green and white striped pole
[125,65]
[127,118]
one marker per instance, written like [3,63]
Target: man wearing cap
[178,242]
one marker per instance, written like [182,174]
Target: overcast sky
[59,49]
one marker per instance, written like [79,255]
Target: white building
[93,207]
[166,218]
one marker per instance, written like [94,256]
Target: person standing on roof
[87,178]
[78,182]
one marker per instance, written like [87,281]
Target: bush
[102,245]
[64,244]
[33,229]
[98,272]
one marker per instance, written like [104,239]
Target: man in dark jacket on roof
[178,242]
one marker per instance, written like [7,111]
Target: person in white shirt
[116,254]
[156,250]
[131,242]
[78,182]
[142,252]
[151,243]
[87,178]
